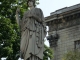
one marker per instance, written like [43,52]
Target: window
[77,44]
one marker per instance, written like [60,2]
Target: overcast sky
[49,6]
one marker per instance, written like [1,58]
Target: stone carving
[32,32]
[63,25]
[53,38]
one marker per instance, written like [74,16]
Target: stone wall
[66,40]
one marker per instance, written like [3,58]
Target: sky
[49,6]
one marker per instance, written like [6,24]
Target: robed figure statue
[32,32]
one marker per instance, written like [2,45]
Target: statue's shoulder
[38,9]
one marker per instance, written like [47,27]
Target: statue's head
[31,3]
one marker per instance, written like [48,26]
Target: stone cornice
[63,20]
[60,16]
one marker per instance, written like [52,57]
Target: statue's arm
[37,18]
[42,18]
[18,20]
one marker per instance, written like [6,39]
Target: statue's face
[30,3]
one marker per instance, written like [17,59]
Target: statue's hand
[18,11]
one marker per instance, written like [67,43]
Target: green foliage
[48,53]
[8,38]
[72,55]
[9,31]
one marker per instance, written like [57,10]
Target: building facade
[64,30]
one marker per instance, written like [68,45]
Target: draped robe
[32,35]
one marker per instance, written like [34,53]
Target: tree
[9,31]
[8,38]
[48,53]
[72,55]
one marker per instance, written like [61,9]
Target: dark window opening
[77,44]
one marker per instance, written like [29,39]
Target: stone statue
[32,32]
